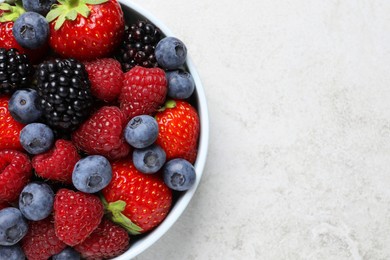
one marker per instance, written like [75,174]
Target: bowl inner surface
[133,13]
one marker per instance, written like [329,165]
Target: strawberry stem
[168,104]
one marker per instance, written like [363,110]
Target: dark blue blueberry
[67,254]
[24,106]
[31,30]
[92,173]
[14,252]
[36,138]
[179,174]
[171,53]
[150,159]
[39,6]
[36,201]
[13,227]
[141,131]
[181,85]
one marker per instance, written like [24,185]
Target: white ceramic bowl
[133,13]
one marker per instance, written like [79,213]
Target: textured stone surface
[299,100]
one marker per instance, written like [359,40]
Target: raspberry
[102,134]
[15,173]
[57,164]
[106,78]
[107,241]
[144,91]
[41,241]
[76,215]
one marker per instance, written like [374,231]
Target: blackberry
[138,45]
[15,71]
[65,92]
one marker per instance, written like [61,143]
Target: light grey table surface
[299,105]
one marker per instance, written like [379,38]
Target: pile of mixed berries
[97,129]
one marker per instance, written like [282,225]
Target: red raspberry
[15,173]
[106,78]
[107,241]
[9,128]
[58,163]
[76,215]
[144,90]
[41,241]
[102,134]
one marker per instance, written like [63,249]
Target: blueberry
[181,85]
[36,201]
[92,173]
[39,6]
[13,227]
[141,131]
[14,252]
[179,174]
[36,138]
[150,159]
[31,30]
[67,254]
[24,106]
[171,53]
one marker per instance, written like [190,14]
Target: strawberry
[15,173]
[41,242]
[9,128]
[138,202]
[179,126]
[8,16]
[3,205]
[102,134]
[106,78]
[144,91]
[85,30]
[57,164]
[76,215]
[107,241]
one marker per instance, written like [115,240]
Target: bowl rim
[181,204]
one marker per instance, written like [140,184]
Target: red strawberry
[76,215]
[106,78]
[179,127]
[144,91]
[15,173]
[138,202]
[7,39]
[107,241]
[9,128]
[86,31]
[57,164]
[41,242]
[102,134]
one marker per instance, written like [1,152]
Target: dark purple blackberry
[15,71]
[65,92]
[138,46]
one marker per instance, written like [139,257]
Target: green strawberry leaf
[95,2]
[71,15]
[83,10]
[5,7]
[11,12]
[115,209]
[55,11]
[60,21]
